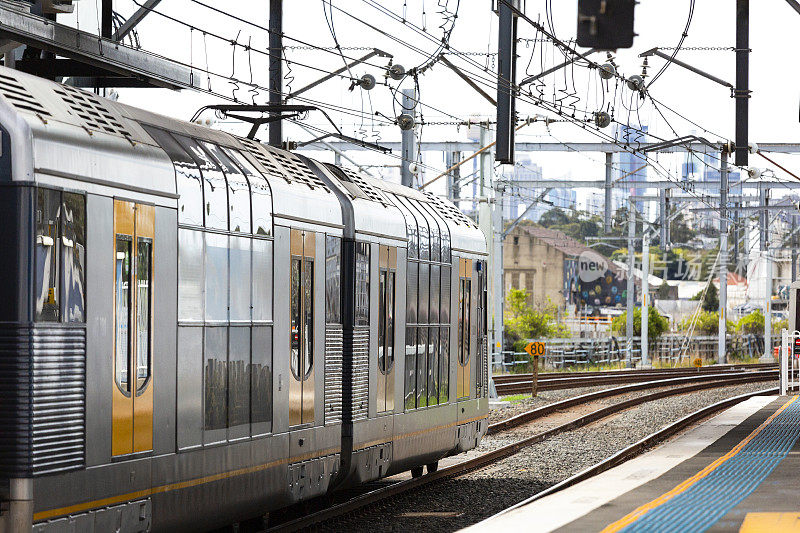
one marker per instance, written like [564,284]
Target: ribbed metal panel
[42,387]
[333,374]
[360,373]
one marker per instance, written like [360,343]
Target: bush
[656,324]
[752,324]
[522,322]
[707,324]
[778,325]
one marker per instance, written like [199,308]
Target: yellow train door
[132,401]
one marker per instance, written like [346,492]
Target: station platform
[738,471]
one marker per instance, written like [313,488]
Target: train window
[461,321]
[240,278]
[262,279]
[444,365]
[467,319]
[435,277]
[190,387]
[190,275]
[333,288]
[444,314]
[411,228]
[260,192]
[422,367]
[411,368]
[239,377]
[122,309]
[390,284]
[238,189]
[435,239]
[433,366]
[446,257]
[412,292]
[294,283]
[308,307]
[424,232]
[215,359]
[48,245]
[424,292]
[362,284]
[215,196]
[261,380]
[382,321]
[187,176]
[216,270]
[74,256]
[144,298]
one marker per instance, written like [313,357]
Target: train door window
[464,327]
[301,384]
[216,270]
[48,245]
[461,283]
[187,176]
[74,256]
[386,282]
[333,276]
[215,196]
[467,319]
[261,195]
[238,189]
[132,397]
[444,365]
[262,279]
[240,278]
[411,369]
[122,330]
[144,318]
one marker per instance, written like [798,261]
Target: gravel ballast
[460,502]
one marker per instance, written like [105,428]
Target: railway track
[521,383]
[683,385]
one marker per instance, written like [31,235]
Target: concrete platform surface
[738,471]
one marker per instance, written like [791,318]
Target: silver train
[198,329]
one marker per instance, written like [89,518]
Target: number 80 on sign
[535,349]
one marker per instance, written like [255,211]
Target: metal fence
[613,351]
[789,363]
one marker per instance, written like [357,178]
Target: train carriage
[198,329]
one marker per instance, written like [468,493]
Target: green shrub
[656,323]
[752,324]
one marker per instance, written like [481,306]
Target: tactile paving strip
[697,503]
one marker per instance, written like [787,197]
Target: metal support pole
[408,140]
[106,15]
[664,219]
[722,350]
[608,190]
[793,252]
[631,284]
[506,81]
[645,296]
[275,69]
[742,91]
[767,276]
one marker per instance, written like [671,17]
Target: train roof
[59,132]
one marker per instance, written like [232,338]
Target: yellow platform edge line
[684,486]
[771,523]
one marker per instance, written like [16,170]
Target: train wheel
[416,472]
[433,467]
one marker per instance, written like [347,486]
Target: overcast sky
[445,98]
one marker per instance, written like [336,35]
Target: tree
[554,217]
[663,290]
[656,323]
[707,323]
[710,299]
[522,322]
[752,324]
[679,231]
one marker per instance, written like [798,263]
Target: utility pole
[663,210]
[793,252]
[645,295]
[722,349]
[631,285]
[767,276]
[409,140]
[506,82]
[608,191]
[275,70]
[453,187]
[490,220]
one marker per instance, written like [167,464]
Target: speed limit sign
[535,349]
